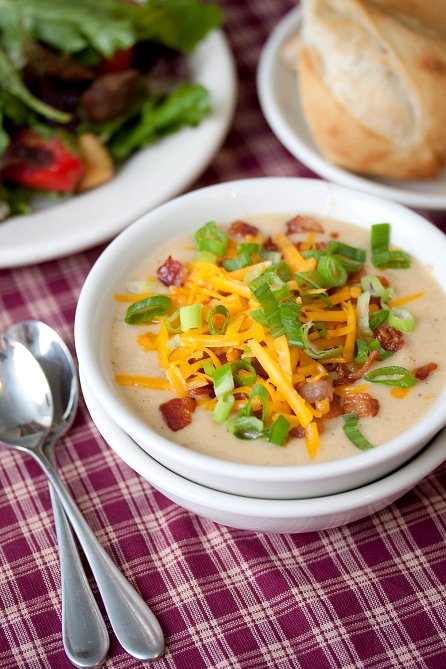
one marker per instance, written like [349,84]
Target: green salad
[86,83]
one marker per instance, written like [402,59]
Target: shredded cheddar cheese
[284,346]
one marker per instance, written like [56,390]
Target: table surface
[370,594]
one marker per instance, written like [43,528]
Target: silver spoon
[84,633]
[26,413]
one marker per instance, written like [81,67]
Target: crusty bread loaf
[373,88]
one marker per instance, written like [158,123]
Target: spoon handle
[84,632]
[134,624]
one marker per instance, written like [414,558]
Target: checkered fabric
[368,595]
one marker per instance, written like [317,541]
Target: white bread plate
[279,99]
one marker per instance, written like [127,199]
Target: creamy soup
[396,409]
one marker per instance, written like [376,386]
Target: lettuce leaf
[72,26]
[159,115]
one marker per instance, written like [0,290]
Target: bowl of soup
[273,338]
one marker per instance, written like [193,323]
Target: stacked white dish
[281,499]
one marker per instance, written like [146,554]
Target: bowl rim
[430,423]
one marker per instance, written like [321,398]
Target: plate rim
[311,157]
[210,134]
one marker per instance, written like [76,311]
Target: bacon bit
[421,373]
[349,374]
[303,224]
[315,390]
[178,412]
[362,404]
[335,409]
[384,281]
[242,229]
[269,245]
[334,235]
[258,367]
[355,278]
[202,391]
[172,272]
[297,432]
[389,338]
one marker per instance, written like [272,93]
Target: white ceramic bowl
[224,203]
[262,515]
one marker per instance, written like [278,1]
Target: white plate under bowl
[266,515]
[147,179]
[279,99]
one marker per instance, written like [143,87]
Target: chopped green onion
[349,265]
[223,387]
[205,256]
[260,392]
[245,427]
[259,316]
[321,328]
[270,306]
[174,342]
[221,310]
[401,319]
[253,274]
[380,237]
[243,260]
[310,277]
[375,287]
[191,317]
[362,307]
[273,256]
[278,432]
[249,247]
[281,270]
[359,255]
[279,287]
[313,253]
[169,320]
[210,238]
[247,379]
[375,345]
[381,375]
[314,280]
[362,351]
[135,287]
[381,256]
[311,350]
[331,271]
[144,311]
[223,408]
[290,314]
[391,259]
[352,432]
[377,318]
[364,348]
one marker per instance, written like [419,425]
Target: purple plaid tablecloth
[368,595]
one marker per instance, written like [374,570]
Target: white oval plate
[279,99]
[265,515]
[150,177]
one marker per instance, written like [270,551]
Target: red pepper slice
[121,60]
[43,163]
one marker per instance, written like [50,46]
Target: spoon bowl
[26,405]
[53,356]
